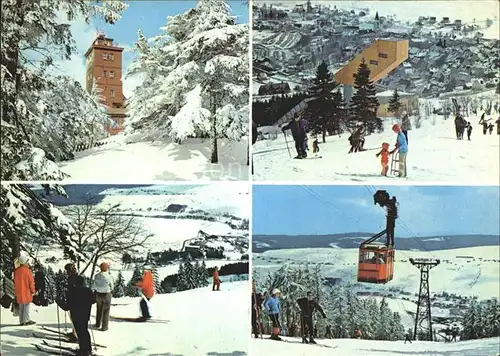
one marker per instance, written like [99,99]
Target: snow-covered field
[434,155]
[476,276]
[194,317]
[351,347]
[124,162]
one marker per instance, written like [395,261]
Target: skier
[272,305]
[147,291]
[384,161]
[460,124]
[490,128]
[469,130]
[357,140]
[329,332]
[24,288]
[216,282]
[298,128]
[402,146]
[78,301]
[454,334]
[484,122]
[40,287]
[407,338]
[315,146]
[256,308]
[358,334]
[405,125]
[102,287]
[307,307]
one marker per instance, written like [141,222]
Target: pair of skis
[54,346]
[259,317]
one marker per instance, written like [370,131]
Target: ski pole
[59,330]
[288,148]
[93,337]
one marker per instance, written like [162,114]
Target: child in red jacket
[384,161]
[216,280]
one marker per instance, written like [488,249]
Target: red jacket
[146,284]
[24,284]
[216,277]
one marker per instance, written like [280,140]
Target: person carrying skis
[216,280]
[257,300]
[402,147]
[272,305]
[24,289]
[147,291]
[384,160]
[298,128]
[102,287]
[469,130]
[307,307]
[78,301]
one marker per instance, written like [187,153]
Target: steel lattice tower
[423,314]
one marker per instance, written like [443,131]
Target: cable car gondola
[376,260]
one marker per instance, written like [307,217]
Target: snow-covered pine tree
[397,331]
[131,290]
[492,318]
[202,274]
[27,218]
[50,287]
[368,317]
[32,32]
[119,288]
[395,105]
[181,278]
[382,331]
[157,282]
[190,275]
[364,105]
[196,77]
[61,283]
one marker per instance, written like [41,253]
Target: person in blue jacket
[402,147]
[272,305]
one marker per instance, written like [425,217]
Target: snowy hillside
[351,347]
[434,155]
[184,334]
[124,162]
[464,272]
[210,216]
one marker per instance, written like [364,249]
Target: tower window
[105,73]
[112,93]
[111,56]
[111,74]
[105,56]
[382,55]
[375,63]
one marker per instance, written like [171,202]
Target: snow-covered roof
[391,93]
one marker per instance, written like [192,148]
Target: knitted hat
[396,128]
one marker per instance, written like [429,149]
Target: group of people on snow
[488,127]
[77,300]
[271,305]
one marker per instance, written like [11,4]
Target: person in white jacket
[102,287]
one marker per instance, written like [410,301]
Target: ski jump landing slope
[201,322]
[353,347]
[434,155]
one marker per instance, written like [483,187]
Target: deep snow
[352,347]
[201,322]
[434,155]
[124,162]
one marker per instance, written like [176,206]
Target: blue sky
[148,16]
[423,210]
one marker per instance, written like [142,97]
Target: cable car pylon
[424,299]
[376,261]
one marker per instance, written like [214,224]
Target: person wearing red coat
[216,280]
[146,286]
[24,289]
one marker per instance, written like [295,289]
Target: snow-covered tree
[119,288]
[195,77]
[34,36]
[27,218]
[131,290]
[157,282]
[181,278]
[395,105]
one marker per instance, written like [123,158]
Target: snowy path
[161,161]
[351,347]
[202,322]
[435,155]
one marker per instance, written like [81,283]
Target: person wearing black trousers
[307,307]
[79,300]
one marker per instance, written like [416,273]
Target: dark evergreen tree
[325,108]
[364,105]
[395,105]
[50,287]
[181,279]
[119,288]
[131,289]
[203,275]
[157,282]
[61,283]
